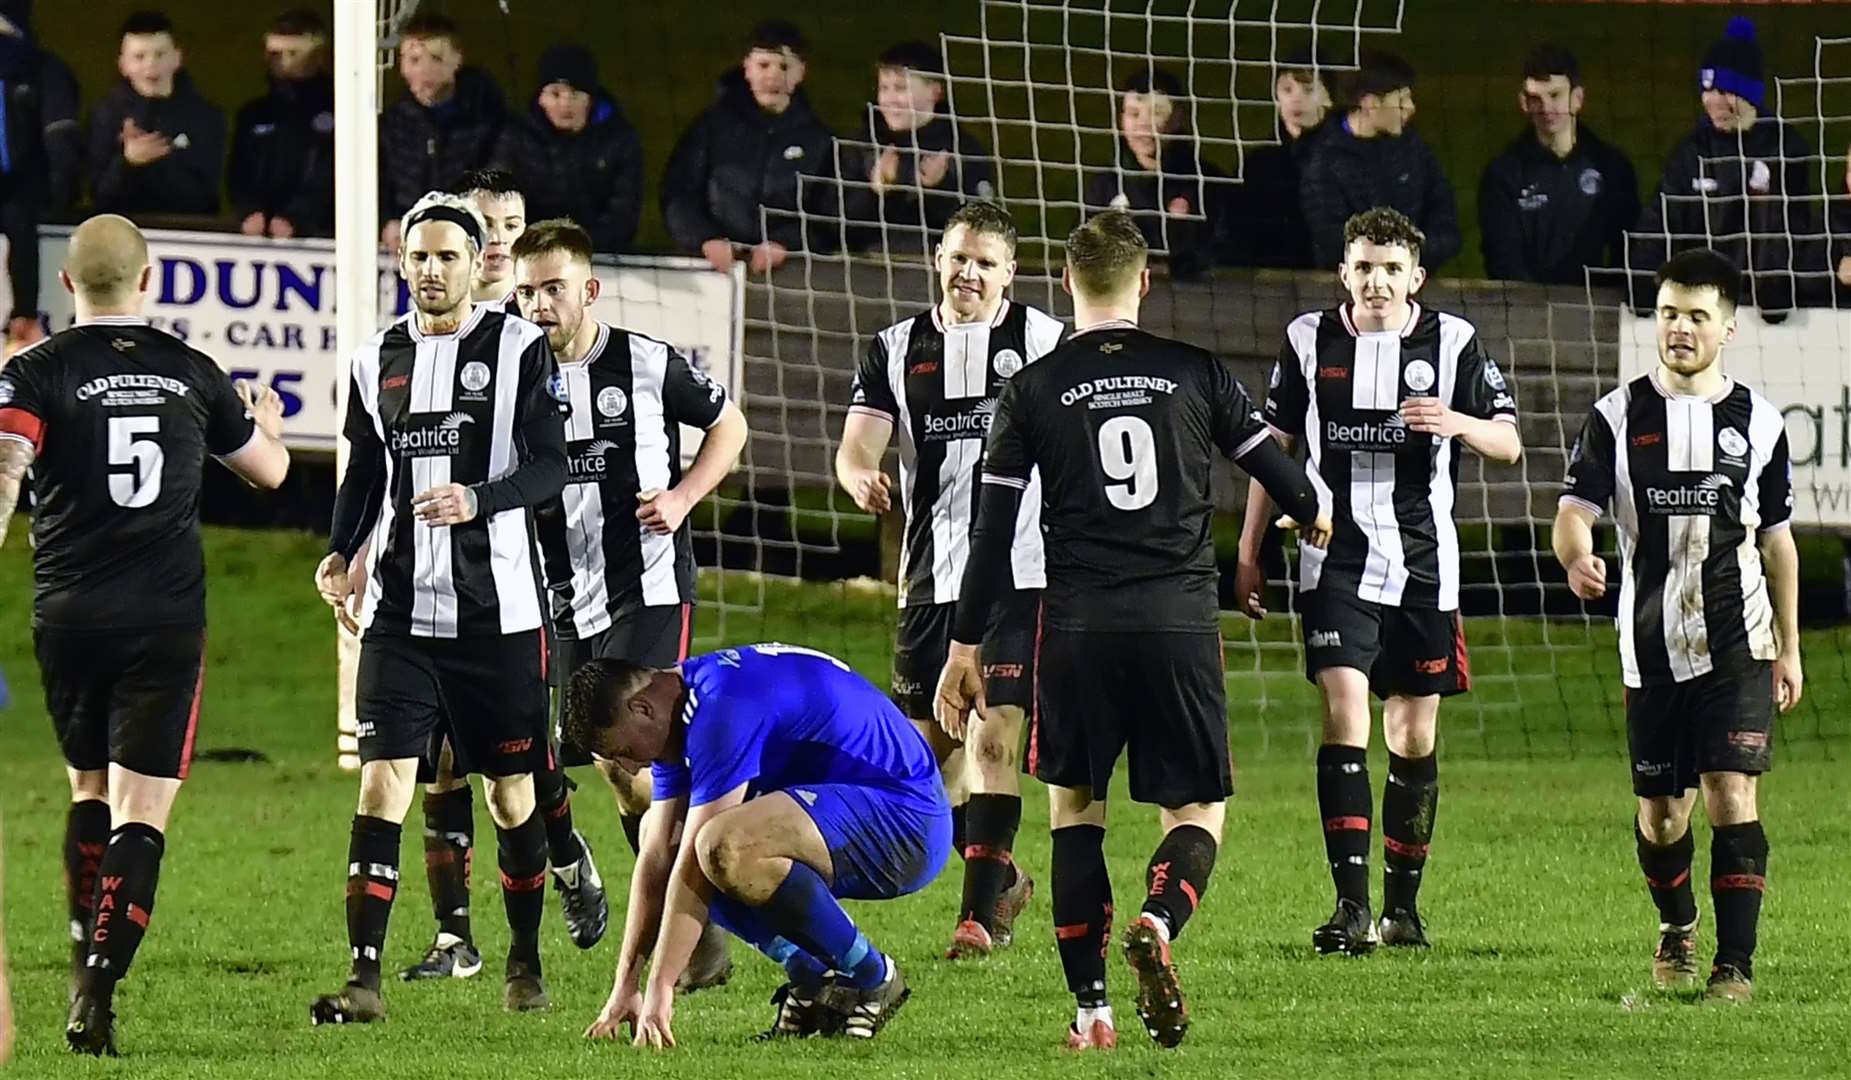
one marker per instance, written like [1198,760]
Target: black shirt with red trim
[122,417]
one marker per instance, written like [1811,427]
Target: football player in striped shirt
[1696,470]
[1384,392]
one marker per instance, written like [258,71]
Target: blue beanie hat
[1733,65]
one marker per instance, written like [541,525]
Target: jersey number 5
[1128,452]
[132,446]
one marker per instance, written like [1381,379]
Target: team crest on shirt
[1494,376]
[1007,363]
[1732,443]
[6,391]
[474,376]
[556,388]
[1590,181]
[1419,376]
[612,402]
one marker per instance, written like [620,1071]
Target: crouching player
[783,782]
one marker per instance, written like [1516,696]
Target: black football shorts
[1414,652]
[1158,697]
[924,640]
[486,695]
[128,699]
[1720,722]
[656,637]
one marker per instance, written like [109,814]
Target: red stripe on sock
[565,805]
[1672,884]
[523,884]
[1411,851]
[1068,933]
[1189,891]
[1739,881]
[379,890]
[1344,824]
[138,916]
[687,631]
[984,851]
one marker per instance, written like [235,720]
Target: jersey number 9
[1128,452]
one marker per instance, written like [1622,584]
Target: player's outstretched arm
[263,462]
[16,456]
[865,435]
[684,917]
[655,858]
[1781,557]
[1573,539]
[1249,576]
[1288,484]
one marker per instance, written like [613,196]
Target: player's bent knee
[1664,820]
[1210,817]
[1729,797]
[724,852]
[1068,807]
[386,788]
[511,799]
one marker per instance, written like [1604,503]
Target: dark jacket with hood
[1746,195]
[41,148]
[1193,242]
[1344,175]
[282,155]
[1546,218]
[186,181]
[594,176]
[422,150]
[908,217]
[735,158]
[1270,225]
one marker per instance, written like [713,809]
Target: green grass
[1540,921]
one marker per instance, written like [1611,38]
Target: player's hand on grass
[264,404]
[1430,416]
[1587,579]
[446,504]
[1250,589]
[873,492]
[1787,679]
[652,1023]
[960,689]
[662,511]
[621,1009]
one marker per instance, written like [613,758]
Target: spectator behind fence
[1178,200]
[42,147]
[156,146]
[1559,198]
[1738,183]
[748,151]
[912,166]
[446,124]
[1371,157]
[282,144]
[1270,228]
[575,154]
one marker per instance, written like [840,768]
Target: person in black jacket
[1179,201]
[156,146]
[40,148]
[1560,198]
[1739,183]
[1272,229]
[912,167]
[574,154]
[282,144]
[759,145]
[1371,157]
[447,123]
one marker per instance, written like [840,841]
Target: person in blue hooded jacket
[575,154]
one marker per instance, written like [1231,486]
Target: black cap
[570,64]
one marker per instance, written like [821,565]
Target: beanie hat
[1733,65]
[570,64]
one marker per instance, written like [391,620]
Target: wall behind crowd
[1640,62]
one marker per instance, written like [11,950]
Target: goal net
[1038,83]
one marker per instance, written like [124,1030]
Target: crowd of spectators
[758,174]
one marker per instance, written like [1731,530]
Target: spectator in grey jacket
[759,145]
[1560,198]
[43,146]
[1371,156]
[156,146]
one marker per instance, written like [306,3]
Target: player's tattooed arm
[16,456]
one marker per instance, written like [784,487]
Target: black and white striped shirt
[1391,490]
[1693,483]
[629,398]
[480,407]
[938,386]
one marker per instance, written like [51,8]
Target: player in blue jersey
[792,782]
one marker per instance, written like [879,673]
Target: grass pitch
[1542,928]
